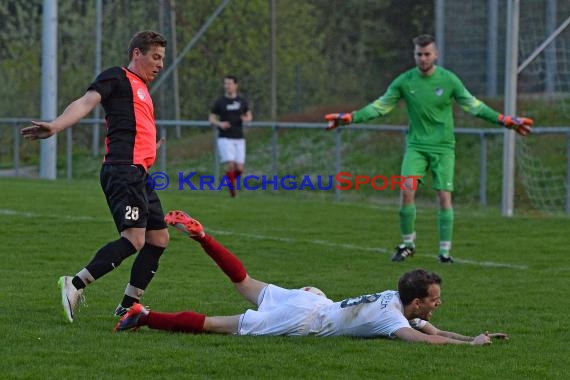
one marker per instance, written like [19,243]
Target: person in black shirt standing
[228,114]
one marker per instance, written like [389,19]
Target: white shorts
[231,150]
[282,312]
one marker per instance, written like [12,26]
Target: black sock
[78,283]
[128,301]
[145,266]
[109,257]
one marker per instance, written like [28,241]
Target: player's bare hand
[224,125]
[38,130]
[481,340]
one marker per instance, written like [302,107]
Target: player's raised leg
[247,286]
[185,224]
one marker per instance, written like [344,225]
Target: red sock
[231,176]
[237,173]
[227,261]
[186,321]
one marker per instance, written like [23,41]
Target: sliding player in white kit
[295,312]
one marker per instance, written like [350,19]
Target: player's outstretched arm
[336,119]
[520,124]
[432,330]
[74,112]
[409,334]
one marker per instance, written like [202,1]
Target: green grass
[512,276]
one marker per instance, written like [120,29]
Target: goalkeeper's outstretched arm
[469,103]
[380,107]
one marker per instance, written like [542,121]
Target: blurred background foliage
[328,52]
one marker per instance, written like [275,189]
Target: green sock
[445,227]
[408,224]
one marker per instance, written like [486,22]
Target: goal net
[543,159]
[474,39]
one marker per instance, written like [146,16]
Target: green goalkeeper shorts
[441,165]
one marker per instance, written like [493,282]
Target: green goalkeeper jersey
[429,105]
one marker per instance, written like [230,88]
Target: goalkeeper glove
[336,119]
[520,124]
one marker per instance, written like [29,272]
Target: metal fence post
[69,152]
[274,150]
[483,170]
[162,151]
[16,153]
[338,161]
[568,173]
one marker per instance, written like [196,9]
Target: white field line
[325,243]
[33,215]
[360,248]
[491,264]
[292,240]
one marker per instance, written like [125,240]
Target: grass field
[512,275]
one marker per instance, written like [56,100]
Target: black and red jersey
[129,115]
[231,110]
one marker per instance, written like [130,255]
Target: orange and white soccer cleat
[184,223]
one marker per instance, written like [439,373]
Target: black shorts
[131,200]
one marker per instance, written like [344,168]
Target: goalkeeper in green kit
[428,91]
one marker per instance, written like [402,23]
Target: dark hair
[145,40]
[415,284]
[231,77]
[424,40]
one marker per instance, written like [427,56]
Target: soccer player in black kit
[130,151]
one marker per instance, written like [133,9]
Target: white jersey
[367,316]
[297,312]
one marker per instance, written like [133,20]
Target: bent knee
[159,238]
[137,242]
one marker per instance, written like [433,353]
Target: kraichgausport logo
[342,181]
